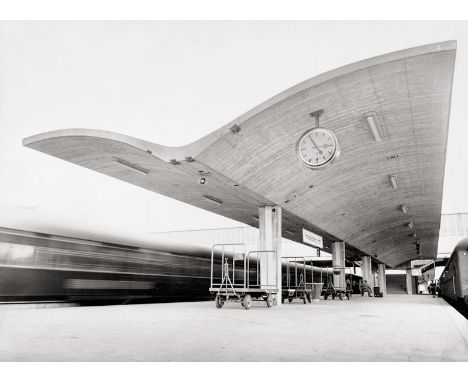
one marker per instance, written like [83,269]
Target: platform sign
[312,238]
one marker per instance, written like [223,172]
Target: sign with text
[312,238]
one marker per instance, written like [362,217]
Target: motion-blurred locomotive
[453,281]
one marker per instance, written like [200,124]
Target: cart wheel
[309,298]
[219,302]
[247,301]
[269,300]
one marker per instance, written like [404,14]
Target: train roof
[462,245]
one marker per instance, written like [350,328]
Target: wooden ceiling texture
[252,161]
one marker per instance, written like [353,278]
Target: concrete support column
[270,240]
[338,262]
[375,279]
[409,281]
[366,268]
[382,279]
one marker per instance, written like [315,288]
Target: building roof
[252,161]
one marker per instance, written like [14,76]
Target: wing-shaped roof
[252,161]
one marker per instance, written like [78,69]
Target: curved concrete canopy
[252,162]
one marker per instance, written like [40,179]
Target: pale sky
[171,83]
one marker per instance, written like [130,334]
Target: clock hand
[320,151]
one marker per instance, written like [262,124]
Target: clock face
[318,148]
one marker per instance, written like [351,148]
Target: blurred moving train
[453,282]
[43,267]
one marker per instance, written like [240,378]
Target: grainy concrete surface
[395,328]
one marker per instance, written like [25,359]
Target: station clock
[318,148]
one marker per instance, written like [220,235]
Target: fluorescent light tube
[132,166]
[213,199]
[394,181]
[374,125]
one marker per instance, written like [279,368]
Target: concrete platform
[395,328]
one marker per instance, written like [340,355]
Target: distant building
[247,235]
[453,228]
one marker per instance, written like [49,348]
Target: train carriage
[43,267]
[453,281]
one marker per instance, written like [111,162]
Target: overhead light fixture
[410,225]
[213,199]
[235,128]
[404,208]
[132,166]
[394,181]
[374,125]
[202,180]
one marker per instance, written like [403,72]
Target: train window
[4,251]
[15,252]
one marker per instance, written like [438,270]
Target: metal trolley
[237,276]
[298,283]
[339,291]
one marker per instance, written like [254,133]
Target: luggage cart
[335,290]
[297,285]
[242,283]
